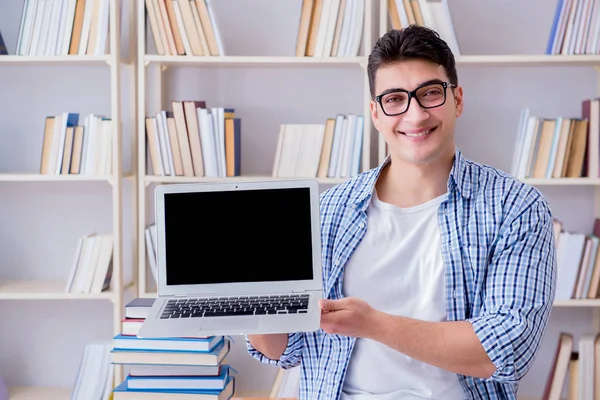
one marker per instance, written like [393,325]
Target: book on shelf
[559,147]
[575,363]
[92,264]
[3,49]
[578,263]
[329,150]
[64,27]
[95,375]
[575,28]
[150,236]
[71,148]
[432,14]
[184,27]
[193,140]
[330,28]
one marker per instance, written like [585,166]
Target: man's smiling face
[420,135]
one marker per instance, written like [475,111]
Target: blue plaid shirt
[499,256]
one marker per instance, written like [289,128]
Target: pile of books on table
[170,368]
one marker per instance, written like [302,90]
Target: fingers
[331,305]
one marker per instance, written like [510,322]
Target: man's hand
[348,317]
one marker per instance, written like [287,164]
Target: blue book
[128,342]
[156,357]
[3,49]
[121,392]
[216,382]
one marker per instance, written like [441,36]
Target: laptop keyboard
[227,306]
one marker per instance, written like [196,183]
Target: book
[127,342]
[121,392]
[216,382]
[213,357]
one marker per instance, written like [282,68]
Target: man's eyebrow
[428,82]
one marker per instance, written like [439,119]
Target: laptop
[236,258]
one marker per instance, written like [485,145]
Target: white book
[357,30]
[56,22]
[207,139]
[90,268]
[570,29]
[440,12]
[346,29]
[402,14]
[36,27]
[103,265]
[162,119]
[158,128]
[316,146]
[338,131]
[357,147]
[278,150]
[181,27]
[27,16]
[76,257]
[83,264]
[331,25]
[593,42]
[102,28]
[215,26]
[151,253]
[322,28]
[85,27]
[517,152]
[346,150]
[67,28]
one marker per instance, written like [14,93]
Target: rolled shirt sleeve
[291,355]
[519,292]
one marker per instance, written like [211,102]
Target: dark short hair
[412,42]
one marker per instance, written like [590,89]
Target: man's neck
[408,185]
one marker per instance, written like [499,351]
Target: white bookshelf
[33,288]
[39,393]
[49,290]
[146,77]
[260,61]
[52,60]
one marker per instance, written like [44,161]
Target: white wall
[41,221]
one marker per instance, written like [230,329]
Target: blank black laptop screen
[238,236]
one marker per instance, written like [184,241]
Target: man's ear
[374,113]
[458,100]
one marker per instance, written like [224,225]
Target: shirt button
[361,225]
[337,262]
[353,206]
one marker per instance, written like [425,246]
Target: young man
[439,273]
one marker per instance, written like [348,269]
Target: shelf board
[39,393]
[44,290]
[261,61]
[34,177]
[46,60]
[528,60]
[577,303]
[563,181]
[199,179]
[464,60]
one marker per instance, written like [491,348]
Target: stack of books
[170,368]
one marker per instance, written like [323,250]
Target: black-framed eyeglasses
[429,95]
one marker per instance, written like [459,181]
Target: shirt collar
[459,179]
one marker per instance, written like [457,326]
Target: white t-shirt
[398,269]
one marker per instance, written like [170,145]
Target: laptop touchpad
[237,323]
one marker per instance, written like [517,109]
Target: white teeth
[417,134]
